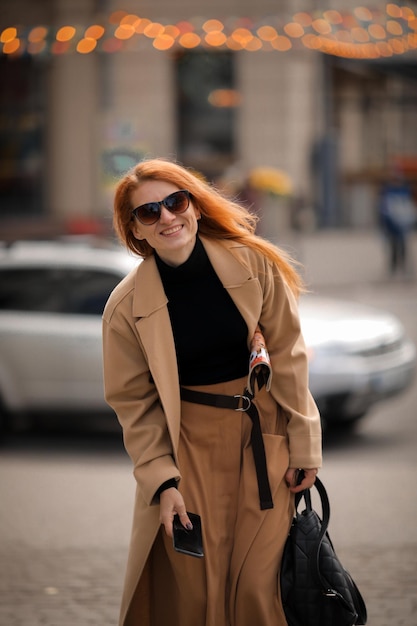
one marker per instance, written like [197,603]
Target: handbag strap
[315,554]
[325,506]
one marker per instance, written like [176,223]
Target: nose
[166,216]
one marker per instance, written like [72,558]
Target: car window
[29,290]
[88,290]
[56,290]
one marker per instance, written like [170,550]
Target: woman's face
[172,236]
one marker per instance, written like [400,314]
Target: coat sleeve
[280,324]
[134,398]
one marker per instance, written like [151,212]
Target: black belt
[241,403]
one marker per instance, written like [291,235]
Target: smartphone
[298,476]
[188,541]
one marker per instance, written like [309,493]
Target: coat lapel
[243,288]
[154,328]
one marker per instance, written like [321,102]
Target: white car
[51,298]
[358,356]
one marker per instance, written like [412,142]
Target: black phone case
[299,477]
[188,541]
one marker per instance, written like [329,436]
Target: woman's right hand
[309,476]
[170,503]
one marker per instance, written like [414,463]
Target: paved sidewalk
[70,587]
[342,257]
[83,587]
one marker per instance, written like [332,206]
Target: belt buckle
[244,398]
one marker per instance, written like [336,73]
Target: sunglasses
[149,213]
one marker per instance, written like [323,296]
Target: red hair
[221,218]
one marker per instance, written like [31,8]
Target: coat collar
[149,295]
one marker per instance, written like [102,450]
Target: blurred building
[88,87]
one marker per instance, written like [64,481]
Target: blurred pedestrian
[398,217]
[183,322]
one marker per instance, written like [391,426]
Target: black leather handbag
[316,590]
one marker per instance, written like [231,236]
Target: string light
[215,38]
[189,40]
[11,46]
[294,29]
[304,19]
[8,35]
[124,31]
[213,25]
[66,33]
[163,42]
[86,45]
[267,33]
[37,34]
[358,33]
[95,31]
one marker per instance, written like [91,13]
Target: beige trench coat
[141,385]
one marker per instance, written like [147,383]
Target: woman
[185,318]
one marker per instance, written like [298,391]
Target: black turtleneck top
[209,332]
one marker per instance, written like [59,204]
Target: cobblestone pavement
[60,587]
[82,587]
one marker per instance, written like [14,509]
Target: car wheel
[5,423]
[346,424]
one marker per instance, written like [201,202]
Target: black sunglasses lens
[177,202]
[149,213]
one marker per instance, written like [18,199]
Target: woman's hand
[170,503]
[306,483]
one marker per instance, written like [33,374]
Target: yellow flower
[270,180]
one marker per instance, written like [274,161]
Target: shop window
[207,106]
[21,136]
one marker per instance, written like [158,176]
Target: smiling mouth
[171,231]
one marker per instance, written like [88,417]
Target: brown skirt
[237,581]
